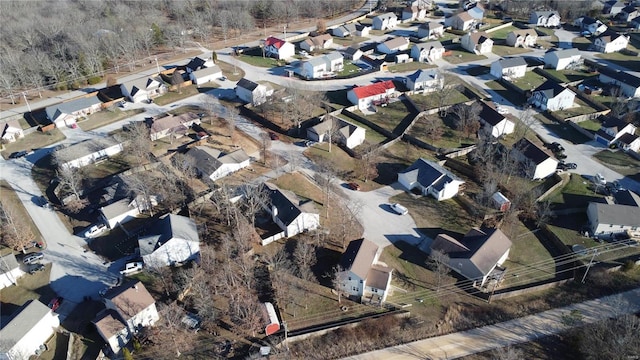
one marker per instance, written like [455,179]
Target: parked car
[353,186]
[599,179]
[571,166]
[95,230]
[555,147]
[30,245]
[502,110]
[274,136]
[560,155]
[18,154]
[223,78]
[131,268]
[55,303]
[36,268]
[33,258]
[399,209]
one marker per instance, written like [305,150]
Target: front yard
[173,96]
[106,117]
[411,66]
[11,202]
[35,140]
[461,56]
[620,162]
[504,50]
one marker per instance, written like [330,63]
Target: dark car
[556,147]
[36,268]
[571,166]
[274,136]
[18,154]
[560,155]
[353,186]
[55,303]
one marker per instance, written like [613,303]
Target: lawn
[449,139]
[301,186]
[350,40]
[349,68]
[341,163]
[529,81]
[525,264]
[504,50]
[581,43]
[590,125]
[112,165]
[563,130]
[173,96]
[106,117]
[29,287]
[233,73]
[35,140]
[388,117]
[501,34]
[570,75]
[579,108]
[620,162]
[512,96]
[567,229]
[462,56]
[428,101]
[10,200]
[265,62]
[371,136]
[410,66]
[577,193]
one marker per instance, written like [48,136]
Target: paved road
[507,333]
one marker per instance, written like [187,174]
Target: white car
[599,179]
[401,210]
[502,110]
[131,268]
[95,230]
[33,258]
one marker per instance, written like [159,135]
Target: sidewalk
[511,332]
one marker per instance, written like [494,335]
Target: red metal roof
[373,89]
[277,43]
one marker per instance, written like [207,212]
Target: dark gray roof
[86,147]
[72,106]
[627,197]
[550,89]
[490,115]
[288,205]
[512,62]
[247,84]
[351,50]
[621,76]
[22,321]
[196,63]
[612,122]
[544,13]
[8,263]
[168,227]
[587,20]
[208,71]
[627,138]
[531,151]
[427,173]
[430,25]
[566,53]
[623,215]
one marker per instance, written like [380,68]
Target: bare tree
[611,339]
[439,263]
[232,117]
[432,127]
[177,81]
[170,335]
[16,233]
[221,200]
[142,185]
[305,258]
[256,197]
[138,141]
[265,145]
[368,164]
[338,280]
[467,118]
[507,353]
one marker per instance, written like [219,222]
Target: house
[590,25]
[367,95]
[425,80]
[9,270]
[345,30]
[522,38]
[362,30]
[198,63]
[125,210]
[279,49]
[386,21]
[251,92]
[545,18]
[629,142]
[322,66]
[172,240]
[289,213]
[611,129]
[477,42]
[562,59]
[427,52]
[628,13]
[128,309]
[352,53]
[12,131]
[431,179]
[66,113]
[171,125]
[607,220]
[635,23]
[500,202]
[205,75]
[393,45]
[25,332]
[363,278]
[478,256]
[88,152]
[494,122]
[535,162]
[143,89]
[319,42]
[509,68]
[552,96]
[430,30]
[613,7]
[629,83]
[337,130]
[411,13]
[215,164]
[462,21]
[626,197]
[610,42]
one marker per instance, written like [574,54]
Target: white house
[552,96]
[67,113]
[88,151]
[363,277]
[591,25]
[431,179]
[611,42]
[289,213]
[426,52]
[124,210]
[611,129]
[205,75]
[430,30]
[172,240]
[393,45]
[143,89]
[536,163]
[522,38]
[494,122]
[629,83]
[510,68]
[425,80]
[476,11]
[12,131]
[462,21]
[337,130]
[362,30]
[27,330]
[411,13]
[365,96]
[561,59]
[478,256]
[319,42]
[613,7]
[172,125]
[9,270]
[215,164]
[198,63]
[251,92]
[629,142]
[607,220]
[386,21]
[477,42]
[545,18]
[352,53]
[345,30]
[628,13]
[322,66]
[278,48]
[128,309]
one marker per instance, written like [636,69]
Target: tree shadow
[387,172]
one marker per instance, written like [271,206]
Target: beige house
[462,21]
[522,38]
[171,125]
[363,277]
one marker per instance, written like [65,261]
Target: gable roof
[109,323]
[627,138]
[531,151]
[196,63]
[275,42]
[208,160]
[169,227]
[429,45]
[22,322]
[171,121]
[85,147]
[388,15]
[428,173]
[430,26]
[130,298]
[351,51]
[378,276]
[621,76]
[479,37]
[208,71]
[288,206]
[8,262]
[566,53]
[144,83]
[612,122]
[359,256]
[626,197]
[378,88]
[490,115]
[396,42]
[628,9]
[318,40]
[464,16]
[539,14]
[423,75]
[72,106]
[551,89]
[512,62]
[247,84]
[609,36]
[524,32]
[617,214]
[344,127]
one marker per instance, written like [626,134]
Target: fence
[562,180]
[513,293]
[461,167]
[505,25]
[594,104]
[461,152]
[272,238]
[581,130]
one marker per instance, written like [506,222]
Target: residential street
[511,332]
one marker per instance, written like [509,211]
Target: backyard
[512,96]
[106,117]
[504,50]
[428,101]
[563,130]
[529,81]
[529,261]
[460,56]
[388,117]
[577,193]
[410,66]
[501,34]
[371,136]
[579,108]
[566,75]
[450,138]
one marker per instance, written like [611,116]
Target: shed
[500,201]
[273,324]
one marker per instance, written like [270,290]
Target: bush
[94,80]
[628,265]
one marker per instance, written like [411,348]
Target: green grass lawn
[501,34]
[450,138]
[567,229]
[620,162]
[301,186]
[388,117]
[570,75]
[627,61]
[35,140]
[29,287]
[106,117]
[581,43]
[428,101]
[590,125]
[371,136]
[577,193]
[579,108]
[415,65]
[265,62]
[233,73]
[503,50]
[349,68]
[563,130]
[513,97]
[529,81]
[462,56]
[173,96]
[350,40]
[525,259]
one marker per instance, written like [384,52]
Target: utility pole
[285,33]
[24,95]
[595,252]
[157,66]
[286,334]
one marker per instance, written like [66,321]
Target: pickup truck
[131,268]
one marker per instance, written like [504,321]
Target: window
[354,288]
[374,290]
[360,281]
[349,278]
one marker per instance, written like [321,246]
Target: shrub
[94,80]
[628,265]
